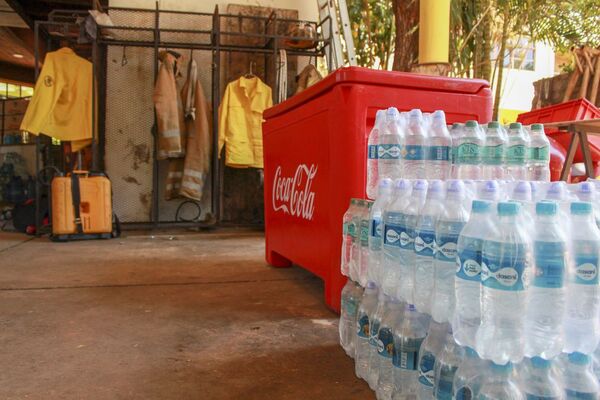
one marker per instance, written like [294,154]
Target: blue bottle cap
[392,112]
[420,185]
[480,206]
[502,368]
[585,187]
[508,208]
[545,208]
[556,191]
[435,187]
[411,307]
[581,208]
[385,183]
[415,113]
[402,184]
[539,362]
[490,186]
[455,186]
[579,358]
[470,352]
[439,115]
[371,285]
[522,191]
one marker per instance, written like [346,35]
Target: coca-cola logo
[293,194]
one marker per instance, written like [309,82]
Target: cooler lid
[369,76]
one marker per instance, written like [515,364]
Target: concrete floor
[197,317]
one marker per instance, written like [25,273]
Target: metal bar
[94,103]
[38,186]
[155,170]
[564,174]
[216,101]
[587,156]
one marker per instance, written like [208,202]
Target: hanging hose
[179,208]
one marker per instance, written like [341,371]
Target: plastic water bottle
[438,164]
[468,151]
[488,191]
[539,380]
[430,348]
[355,252]
[372,155]
[522,194]
[469,376]
[424,246]
[407,238]
[586,191]
[505,261]
[448,228]
[578,378]
[374,324]
[582,332]
[493,153]
[557,191]
[467,281]
[546,301]
[446,365]
[516,153]
[415,140]
[351,295]
[389,149]
[366,309]
[498,384]
[393,228]
[455,133]
[348,237]
[376,228]
[365,222]
[382,380]
[539,154]
[408,337]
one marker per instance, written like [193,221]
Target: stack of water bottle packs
[473,289]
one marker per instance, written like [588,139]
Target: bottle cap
[545,208]
[515,125]
[439,115]
[556,191]
[420,185]
[470,352]
[371,285]
[411,307]
[353,201]
[579,358]
[581,208]
[391,112]
[456,125]
[471,124]
[493,125]
[522,191]
[402,184]
[537,127]
[385,183]
[481,206]
[490,188]
[539,362]
[455,186]
[508,208]
[435,188]
[585,188]
[503,368]
[415,113]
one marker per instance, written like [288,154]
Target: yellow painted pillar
[434,31]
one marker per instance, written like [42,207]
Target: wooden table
[579,131]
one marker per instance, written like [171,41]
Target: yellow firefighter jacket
[240,122]
[61,105]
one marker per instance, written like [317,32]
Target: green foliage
[373,29]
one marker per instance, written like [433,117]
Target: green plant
[373,30]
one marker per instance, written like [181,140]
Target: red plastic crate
[315,147]
[573,110]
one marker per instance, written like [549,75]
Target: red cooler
[315,147]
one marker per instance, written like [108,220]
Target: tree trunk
[485,69]
[406,48]
[503,39]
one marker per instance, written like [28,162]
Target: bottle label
[376,227]
[454,154]
[445,383]
[516,154]
[352,229]
[373,152]
[438,153]
[468,262]
[362,323]
[414,152]
[503,266]
[425,243]
[392,236]
[493,155]
[426,372]
[373,330]
[573,394]
[468,153]
[586,270]
[385,343]
[407,356]
[349,306]
[389,151]
[445,243]
[536,397]
[540,154]
[364,232]
[464,393]
[407,238]
[549,269]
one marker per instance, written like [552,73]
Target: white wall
[307,9]
[517,93]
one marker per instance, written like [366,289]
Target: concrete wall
[307,9]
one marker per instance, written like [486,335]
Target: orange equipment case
[81,207]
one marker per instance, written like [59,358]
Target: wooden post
[587,69]
[594,95]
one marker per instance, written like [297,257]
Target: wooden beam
[18,8]
[15,73]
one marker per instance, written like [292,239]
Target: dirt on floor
[165,316]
